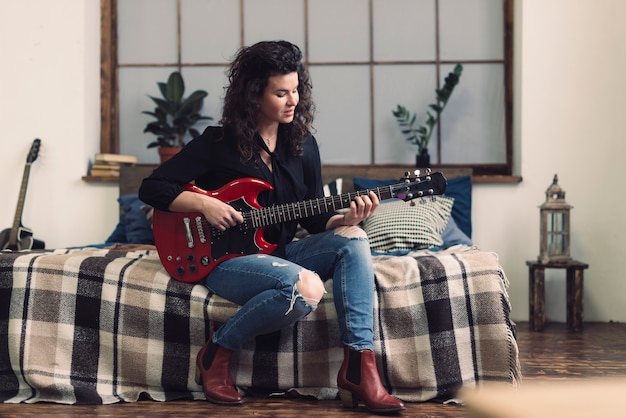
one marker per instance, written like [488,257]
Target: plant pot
[422,159]
[168,152]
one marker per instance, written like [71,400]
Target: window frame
[109,95]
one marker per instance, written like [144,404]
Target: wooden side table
[574,291]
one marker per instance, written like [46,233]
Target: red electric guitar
[189,247]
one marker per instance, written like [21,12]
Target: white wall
[570,89]
[570,56]
[50,90]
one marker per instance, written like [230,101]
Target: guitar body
[24,240]
[189,247]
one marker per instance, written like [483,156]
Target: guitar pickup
[188,233]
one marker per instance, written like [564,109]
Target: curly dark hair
[248,76]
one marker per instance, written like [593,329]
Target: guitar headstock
[34,151]
[416,186]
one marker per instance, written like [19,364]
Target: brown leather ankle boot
[358,379]
[212,372]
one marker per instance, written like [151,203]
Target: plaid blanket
[95,326]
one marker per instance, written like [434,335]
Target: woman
[265,134]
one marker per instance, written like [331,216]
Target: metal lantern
[555,226]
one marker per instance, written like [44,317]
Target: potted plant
[420,135]
[175,116]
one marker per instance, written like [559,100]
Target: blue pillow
[118,236]
[460,188]
[452,235]
[138,229]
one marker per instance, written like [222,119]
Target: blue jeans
[263,285]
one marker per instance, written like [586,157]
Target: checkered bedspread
[97,326]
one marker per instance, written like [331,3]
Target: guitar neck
[17,220]
[300,210]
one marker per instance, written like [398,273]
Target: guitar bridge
[200,229]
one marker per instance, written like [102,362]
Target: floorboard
[552,355]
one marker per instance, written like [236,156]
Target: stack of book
[108,165]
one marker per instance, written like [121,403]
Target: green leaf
[162,89]
[194,132]
[193,103]
[163,105]
[175,87]
[154,128]
[436,108]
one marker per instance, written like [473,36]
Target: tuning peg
[417,173]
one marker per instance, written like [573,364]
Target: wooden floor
[552,355]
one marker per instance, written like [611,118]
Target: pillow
[133,227]
[118,235]
[452,234]
[402,226]
[459,188]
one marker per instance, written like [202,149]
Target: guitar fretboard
[301,210]
[17,220]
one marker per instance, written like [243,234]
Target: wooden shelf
[495,178]
[101,179]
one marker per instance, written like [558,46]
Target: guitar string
[293,211]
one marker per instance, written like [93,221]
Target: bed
[105,323]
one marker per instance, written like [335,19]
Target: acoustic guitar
[19,237]
[189,247]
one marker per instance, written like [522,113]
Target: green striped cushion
[400,226]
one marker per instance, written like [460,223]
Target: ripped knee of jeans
[310,287]
[350,232]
